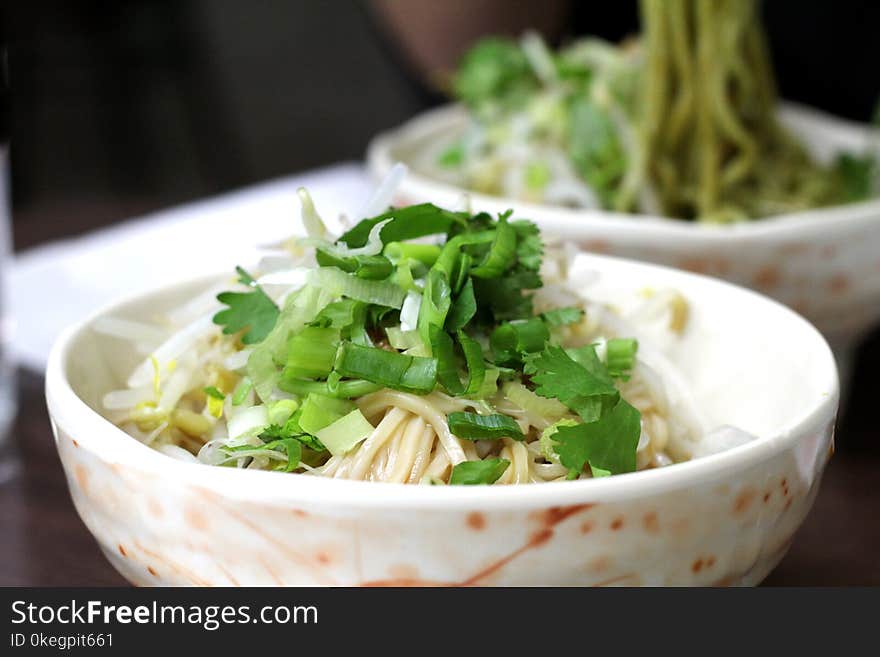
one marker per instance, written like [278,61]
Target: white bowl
[727,518]
[824,263]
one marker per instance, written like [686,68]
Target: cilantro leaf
[291,447]
[556,375]
[452,157]
[587,358]
[503,298]
[856,175]
[501,254]
[374,267]
[511,341]
[291,429]
[495,69]
[252,311]
[406,223]
[529,247]
[562,316]
[608,444]
[478,472]
[595,148]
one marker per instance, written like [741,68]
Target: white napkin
[55,285]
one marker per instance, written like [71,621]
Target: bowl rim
[112,445]
[583,223]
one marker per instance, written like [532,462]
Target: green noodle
[698,139]
[707,67]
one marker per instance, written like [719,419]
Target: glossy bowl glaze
[726,518]
[824,263]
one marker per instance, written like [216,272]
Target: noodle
[707,66]
[411,441]
[681,123]
[500,372]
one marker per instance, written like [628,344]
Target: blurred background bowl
[823,263]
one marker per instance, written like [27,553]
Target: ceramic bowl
[726,518]
[823,263]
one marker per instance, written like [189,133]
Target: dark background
[119,108]
[122,107]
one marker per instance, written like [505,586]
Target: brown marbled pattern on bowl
[160,533]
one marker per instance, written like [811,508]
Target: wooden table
[44,543]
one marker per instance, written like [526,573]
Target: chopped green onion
[534,405]
[215,400]
[471,426]
[374,267]
[460,274]
[387,368]
[403,340]
[463,308]
[473,357]
[443,350]
[537,175]
[511,340]
[326,258]
[212,392]
[300,308]
[562,316]
[311,352]
[436,300]
[346,432]
[346,315]
[319,411]
[241,391]
[490,383]
[487,471]
[341,390]
[452,250]
[312,221]
[403,275]
[281,410]
[247,422]
[546,440]
[620,356]
[426,254]
[339,283]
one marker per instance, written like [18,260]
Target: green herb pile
[422,300]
